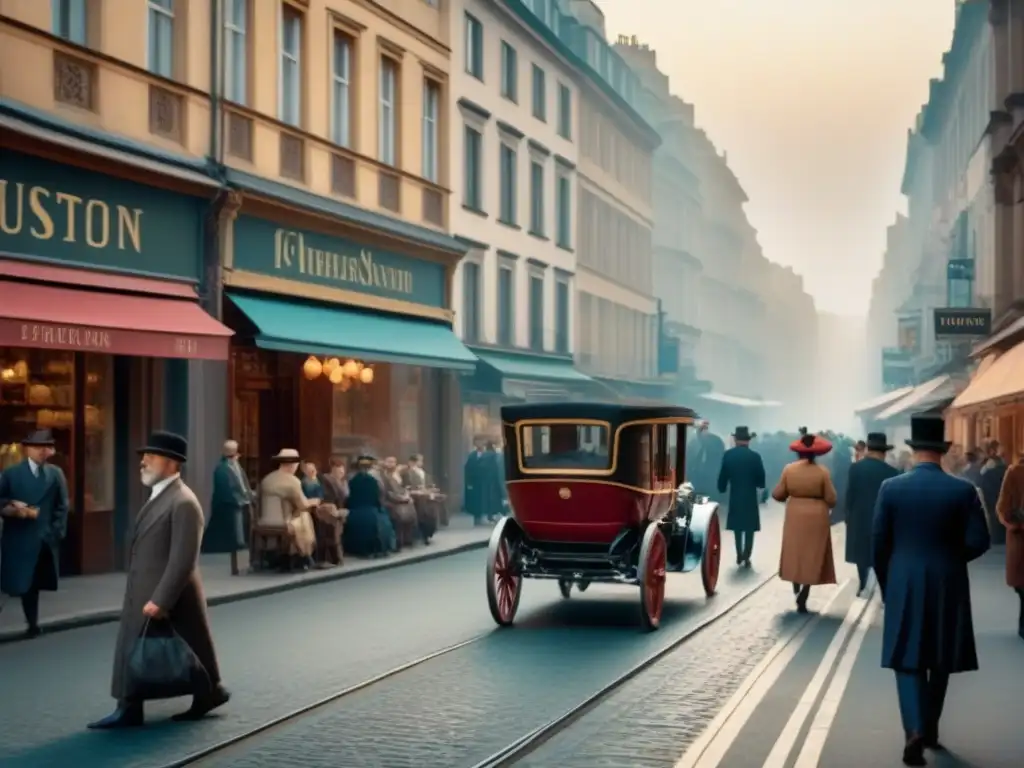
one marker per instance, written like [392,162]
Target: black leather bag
[163,666]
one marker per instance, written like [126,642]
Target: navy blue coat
[24,540]
[927,526]
[863,483]
[742,474]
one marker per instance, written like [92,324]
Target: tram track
[522,748]
[221,752]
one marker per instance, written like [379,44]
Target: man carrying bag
[164,604]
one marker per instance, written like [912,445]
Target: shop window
[37,391]
[99,433]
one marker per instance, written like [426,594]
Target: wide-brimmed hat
[878,442]
[811,445]
[40,438]
[167,444]
[287,456]
[743,434]
[366,460]
[928,433]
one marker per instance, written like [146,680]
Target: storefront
[867,412]
[931,396]
[992,405]
[505,376]
[99,316]
[344,339]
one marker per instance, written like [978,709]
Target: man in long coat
[866,477]
[928,525]
[30,543]
[707,458]
[229,507]
[742,475]
[164,582]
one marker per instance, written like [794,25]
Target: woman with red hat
[807,490]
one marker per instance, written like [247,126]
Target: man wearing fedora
[742,475]
[866,477]
[928,525]
[34,505]
[163,580]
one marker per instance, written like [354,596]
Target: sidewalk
[87,600]
[981,723]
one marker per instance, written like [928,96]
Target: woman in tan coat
[806,488]
[1010,511]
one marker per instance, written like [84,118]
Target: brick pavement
[650,721]
[459,709]
[86,600]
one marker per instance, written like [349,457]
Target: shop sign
[963,322]
[117,341]
[72,215]
[267,248]
[960,269]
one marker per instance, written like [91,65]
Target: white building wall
[480,104]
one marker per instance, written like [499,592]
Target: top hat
[878,442]
[743,434]
[42,438]
[928,433]
[286,456]
[811,445]
[167,444]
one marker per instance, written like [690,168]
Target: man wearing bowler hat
[163,580]
[865,478]
[927,526]
[34,505]
[742,475]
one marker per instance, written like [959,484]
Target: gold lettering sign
[962,321]
[46,214]
[292,254]
[46,335]
[185,347]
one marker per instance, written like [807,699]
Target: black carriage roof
[614,412]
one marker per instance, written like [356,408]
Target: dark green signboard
[61,212]
[963,322]
[267,248]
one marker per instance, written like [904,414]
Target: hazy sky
[812,100]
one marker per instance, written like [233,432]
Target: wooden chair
[261,536]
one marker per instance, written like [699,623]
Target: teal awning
[326,329]
[533,367]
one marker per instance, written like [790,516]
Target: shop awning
[921,398]
[83,320]
[533,367]
[325,329]
[998,377]
[736,400]
[881,401]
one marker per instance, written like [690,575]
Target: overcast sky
[812,100]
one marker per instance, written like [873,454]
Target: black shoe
[204,705]
[913,751]
[125,716]
[33,631]
[931,741]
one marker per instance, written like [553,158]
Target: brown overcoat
[1011,502]
[163,567]
[808,492]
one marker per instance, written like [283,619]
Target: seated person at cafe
[365,535]
[284,505]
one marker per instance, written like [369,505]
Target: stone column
[998,20]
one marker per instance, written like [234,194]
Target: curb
[109,616]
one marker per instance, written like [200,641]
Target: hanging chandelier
[345,374]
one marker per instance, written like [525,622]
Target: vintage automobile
[595,496]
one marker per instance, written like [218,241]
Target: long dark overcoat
[865,478]
[163,567]
[26,544]
[362,535]
[742,474]
[928,525]
[228,508]
[476,474]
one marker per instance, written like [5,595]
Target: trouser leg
[748,545]
[30,606]
[862,576]
[935,699]
[912,689]
[738,536]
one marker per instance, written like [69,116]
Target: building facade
[943,255]
[106,212]
[617,309]
[227,220]
[335,265]
[515,138]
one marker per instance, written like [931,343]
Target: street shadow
[108,749]
[949,759]
[583,612]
